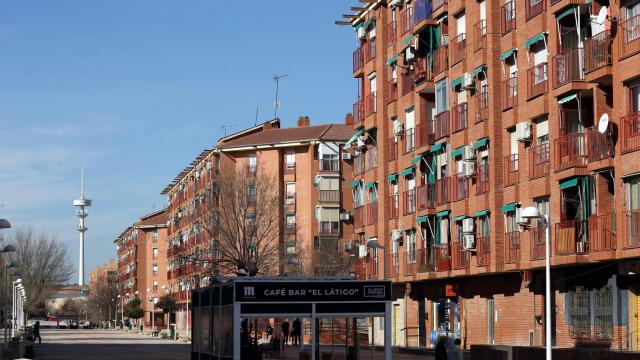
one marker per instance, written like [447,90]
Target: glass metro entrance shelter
[335,318]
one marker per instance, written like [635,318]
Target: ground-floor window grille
[591,313]
[603,314]
[580,328]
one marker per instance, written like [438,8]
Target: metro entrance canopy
[218,310]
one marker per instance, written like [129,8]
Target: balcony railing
[539,161]
[409,140]
[602,232]
[426,196]
[601,146]
[510,93]
[460,187]
[372,213]
[358,217]
[571,151]
[329,228]
[483,250]
[458,48]
[629,36]
[358,59]
[534,8]
[567,66]
[437,4]
[459,117]
[422,70]
[482,106]
[425,136]
[406,20]
[392,145]
[422,10]
[570,237]
[392,32]
[358,165]
[370,50]
[537,80]
[441,125]
[482,179]
[440,59]
[410,262]
[630,132]
[597,51]
[407,82]
[330,196]
[442,257]
[537,234]
[409,202]
[512,247]
[480,34]
[394,265]
[371,158]
[508,17]
[358,111]
[370,104]
[632,227]
[332,166]
[426,260]
[392,90]
[443,188]
[511,169]
[394,206]
[461,259]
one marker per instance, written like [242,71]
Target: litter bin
[172,331]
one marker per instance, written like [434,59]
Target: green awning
[456,82]
[416,159]
[354,137]
[534,39]
[482,213]
[566,12]
[568,183]
[250,216]
[393,59]
[406,172]
[289,213]
[437,147]
[509,207]
[358,26]
[480,143]
[507,53]
[567,98]
[370,185]
[408,40]
[392,178]
[354,183]
[421,219]
[459,218]
[457,152]
[369,22]
[478,70]
[443,213]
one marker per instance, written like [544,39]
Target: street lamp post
[532,212]
[7,249]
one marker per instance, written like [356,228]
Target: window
[410,129]
[154,235]
[513,166]
[542,203]
[290,159]
[512,221]
[252,162]
[155,253]
[442,98]
[358,196]
[329,183]
[373,194]
[155,269]
[155,285]
[635,93]
[483,15]
[290,189]
[591,313]
[632,185]
[484,229]
[411,246]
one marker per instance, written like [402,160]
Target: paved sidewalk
[65,344]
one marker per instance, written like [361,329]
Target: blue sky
[134,90]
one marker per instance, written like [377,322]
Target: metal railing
[534,8]
[460,187]
[482,106]
[440,60]
[459,117]
[392,32]
[601,146]
[537,240]
[437,4]
[630,132]
[372,213]
[394,206]
[597,51]
[358,59]
[461,259]
[406,20]
[629,37]
[358,111]
[370,104]
[393,149]
[441,125]
[512,247]
[539,161]
[425,136]
[511,169]
[392,90]
[602,232]
[537,80]
[480,34]
[458,48]
[409,140]
[482,179]
[422,70]
[483,250]
[410,262]
[571,151]
[510,93]
[508,17]
[358,217]
[370,49]
[406,80]
[632,228]
[371,158]
[358,165]
[568,66]
[426,196]
[443,188]
[409,201]
[570,237]
[394,264]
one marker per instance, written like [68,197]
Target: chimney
[303,121]
[348,119]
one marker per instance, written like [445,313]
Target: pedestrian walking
[441,349]
[36,332]
[297,330]
[285,331]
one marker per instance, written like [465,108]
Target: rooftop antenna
[277,104]
[256,122]
[225,127]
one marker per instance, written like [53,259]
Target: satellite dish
[603,124]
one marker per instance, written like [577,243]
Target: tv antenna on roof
[225,127]
[277,104]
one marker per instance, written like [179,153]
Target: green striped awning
[437,147]
[478,70]
[509,207]
[459,218]
[354,137]
[408,40]
[443,213]
[507,53]
[369,22]
[568,183]
[370,185]
[354,183]
[416,159]
[393,59]
[408,171]
[482,213]
[421,219]
[534,39]
[567,98]
[456,82]
[289,213]
[566,12]
[358,25]
[457,152]
[480,143]
[392,178]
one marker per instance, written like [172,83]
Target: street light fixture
[529,213]
[7,249]
[374,244]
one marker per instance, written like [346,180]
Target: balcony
[329,166]
[537,80]
[330,196]
[409,140]
[369,50]
[358,165]
[460,258]
[459,122]
[392,32]
[482,106]
[392,90]
[629,37]
[371,158]
[534,8]
[602,232]
[437,4]
[570,237]
[410,262]
[394,265]
[443,187]
[511,170]
[483,250]
[358,217]
[441,125]
[630,132]
[632,228]
[508,17]
[510,93]
[539,161]
[406,20]
[426,196]
[409,202]
[358,111]
[597,51]
[482,179]
[425,137]
[442,257]
[537,234]
[567,66]
[407,83]
[358,59]
[422,70]
[422,10]
[571,151]
[393,149]
[370,104]
[460,187]
[512,247]
[458,48]
[440,60]
[394,206]
[480,34]
[372,213]
[601,146]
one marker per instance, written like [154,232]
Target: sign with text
[312,291]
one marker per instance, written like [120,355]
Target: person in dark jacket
[441,349]
[36,332]
[296,332]
[285,331]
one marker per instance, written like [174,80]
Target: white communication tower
[81,204]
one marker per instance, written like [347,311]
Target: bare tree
[325,258]
[102,297]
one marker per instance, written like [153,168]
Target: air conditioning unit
[395,3]
[345,216]
[360,143]
[316,180]
[398,129]
[469,153]
[469,242]
[469,169]
[468,225]
[363,251]
[409,54]
[361,33]
[519,219]
[468,81]
[523,131]
[396,235]
[346,156]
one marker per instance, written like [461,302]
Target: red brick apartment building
[142,264]
[475,110]
[304,161]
